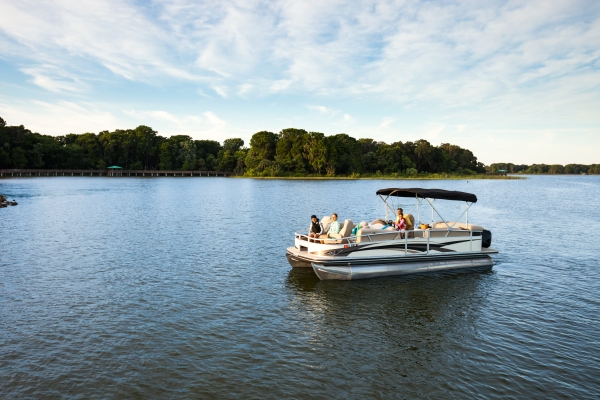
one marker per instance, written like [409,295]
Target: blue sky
[512,81]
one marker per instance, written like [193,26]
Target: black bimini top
[428,193]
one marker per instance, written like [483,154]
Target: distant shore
[436,177]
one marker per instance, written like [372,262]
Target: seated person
[334,229]
[400,222]
[316,228]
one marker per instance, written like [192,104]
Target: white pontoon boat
[377,249]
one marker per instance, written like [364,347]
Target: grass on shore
[393,177]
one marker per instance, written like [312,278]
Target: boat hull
[357,270]
[298,262]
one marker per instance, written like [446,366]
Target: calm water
[179,287]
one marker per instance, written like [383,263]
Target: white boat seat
[344,232]
[326,222]
[347,229]
[388,233]
[459,225]
[455,232]
[410,227]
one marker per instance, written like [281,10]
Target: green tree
[290,151]
[263,147]
[18,158]
[315,151]
[556,169]
[37,156]
[166,158]
[343,155]
[187,155]
[228,156]
[146,141]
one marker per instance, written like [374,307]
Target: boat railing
[352,239]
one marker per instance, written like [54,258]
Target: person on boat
[400,222]
[334,228]
[316,228]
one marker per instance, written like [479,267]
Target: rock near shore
[5,203]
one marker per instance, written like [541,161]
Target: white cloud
[214,120]
[456,54]
[221,91]
[386,122]
[205,125]
[59,118]
[54,79]
[321,109]
[407,66]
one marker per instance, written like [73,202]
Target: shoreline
[388,178]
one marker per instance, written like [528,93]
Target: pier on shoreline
[105,172]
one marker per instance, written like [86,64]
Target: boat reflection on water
[411,314]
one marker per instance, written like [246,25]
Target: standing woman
[316,228]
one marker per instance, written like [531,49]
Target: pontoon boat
[378,249]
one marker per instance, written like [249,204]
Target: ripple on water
[180,288]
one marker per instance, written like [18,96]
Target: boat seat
[388,233]
[455,232]
[344,232]
[326,222]
[410,222]
[459,225]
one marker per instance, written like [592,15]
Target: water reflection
[411,323]
[409,306]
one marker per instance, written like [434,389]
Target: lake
[180,288]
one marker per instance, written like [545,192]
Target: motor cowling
[486,238]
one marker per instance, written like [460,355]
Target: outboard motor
[486,238]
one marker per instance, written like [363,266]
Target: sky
[513,81]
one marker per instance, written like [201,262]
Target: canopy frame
[419,197]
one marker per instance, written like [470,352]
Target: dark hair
[313,216]
[334,214]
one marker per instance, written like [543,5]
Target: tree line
[574,169]
[291,152]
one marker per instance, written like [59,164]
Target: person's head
[314,218]
[334,216]
[399,211]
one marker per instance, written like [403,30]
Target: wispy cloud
[381,67]
[54,79]
[321,109]
[207,124]
[453,53]
[59,118]
[386,122]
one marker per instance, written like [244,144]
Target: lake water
[179,287]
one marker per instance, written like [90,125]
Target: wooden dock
[105,172]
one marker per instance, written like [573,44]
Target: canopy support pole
[463,213]
[436,211]
[432,213]
[387,206]
[415,206]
